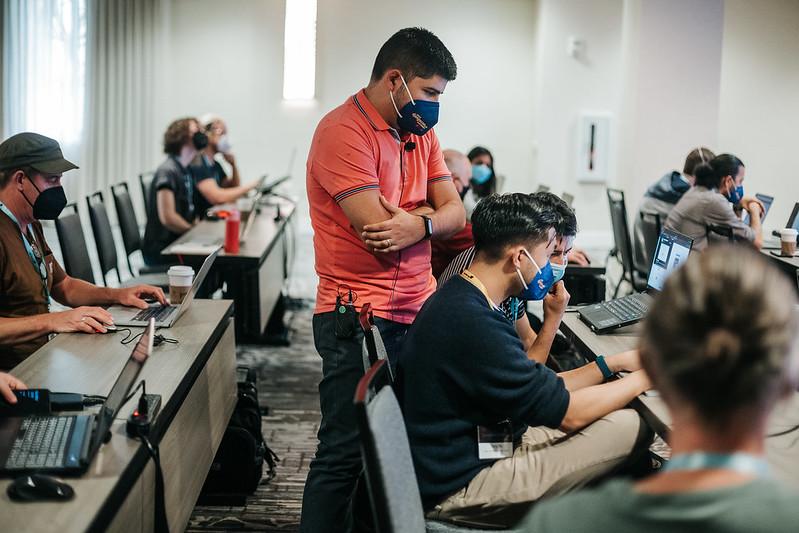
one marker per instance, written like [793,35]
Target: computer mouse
[39,487]
[110,328]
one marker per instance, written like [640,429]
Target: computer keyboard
[44,442]
[627,308]
[158,312]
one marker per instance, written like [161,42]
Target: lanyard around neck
[471,278]
[744,463]
[40,268]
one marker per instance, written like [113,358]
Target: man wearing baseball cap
[31,166]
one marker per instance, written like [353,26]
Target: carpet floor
[287,385]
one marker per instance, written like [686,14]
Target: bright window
[299,59]
[44,58]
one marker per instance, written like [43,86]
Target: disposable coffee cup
[180,280]
[788,242]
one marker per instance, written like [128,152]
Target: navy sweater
[463,365]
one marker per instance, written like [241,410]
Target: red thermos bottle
[232,232]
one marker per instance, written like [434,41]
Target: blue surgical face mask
[480,173]
[416,117]
[539,286]
[736,195]
[558,270]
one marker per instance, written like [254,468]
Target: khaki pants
[548,462]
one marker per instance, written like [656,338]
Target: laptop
[67,444]
[767,201]
[672,250]
[164,315]
[793,222]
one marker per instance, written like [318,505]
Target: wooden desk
[782,451]
[197,382]
[256,274]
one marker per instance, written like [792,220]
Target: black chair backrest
[714,231]
[103,236]
[386,453]
[128,225]
[146,181]
[73,244]
[650,228]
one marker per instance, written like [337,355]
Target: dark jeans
[329,489]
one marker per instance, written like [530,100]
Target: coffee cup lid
[181,270]
[788,231]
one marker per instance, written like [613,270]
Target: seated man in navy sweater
[492,431]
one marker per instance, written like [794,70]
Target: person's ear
[17,179]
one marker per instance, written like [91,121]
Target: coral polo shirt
[355,150]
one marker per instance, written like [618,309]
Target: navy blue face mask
[540,285]
[416,117]
[736,195]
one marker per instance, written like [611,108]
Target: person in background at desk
[212,185]
[172,210]
[8,384]
[378,190]
[31,166]
[717,198]
[490,430]
[661,198]
[720,344]
[443,251]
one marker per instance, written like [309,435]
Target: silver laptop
[67,444]
[164,315]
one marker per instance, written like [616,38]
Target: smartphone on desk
[30,402]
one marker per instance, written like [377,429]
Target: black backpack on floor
[237,469]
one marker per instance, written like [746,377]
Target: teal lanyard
[739,462]
[40,268]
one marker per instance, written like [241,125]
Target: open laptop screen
[767,201]
[671,251]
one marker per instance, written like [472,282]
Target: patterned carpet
[287,381]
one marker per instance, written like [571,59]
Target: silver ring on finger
[388,243]
[83,319]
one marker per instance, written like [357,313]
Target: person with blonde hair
[720,343]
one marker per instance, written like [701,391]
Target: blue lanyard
[744,463]
[40,268]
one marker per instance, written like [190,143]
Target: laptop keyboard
[158,312]
[627,308]
[44,442]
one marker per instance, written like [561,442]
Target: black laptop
[672,250]
[793,222]
[67,444]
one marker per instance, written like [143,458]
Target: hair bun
[722,347]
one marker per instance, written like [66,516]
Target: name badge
[495,441]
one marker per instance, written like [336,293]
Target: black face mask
[464,191]
[200,140]
[49,203]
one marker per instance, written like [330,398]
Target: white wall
[759,104]
[673,74]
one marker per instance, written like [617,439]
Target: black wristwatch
[428,227]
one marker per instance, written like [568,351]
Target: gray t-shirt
[700,206]
[760,505]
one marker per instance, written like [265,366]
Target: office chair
[129,227]
[719,232]
[76,256]
[386,453]
[106,247]
[622,245]
[146,182]
[373,347]
[650,228]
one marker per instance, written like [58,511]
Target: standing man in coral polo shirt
[378,190]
